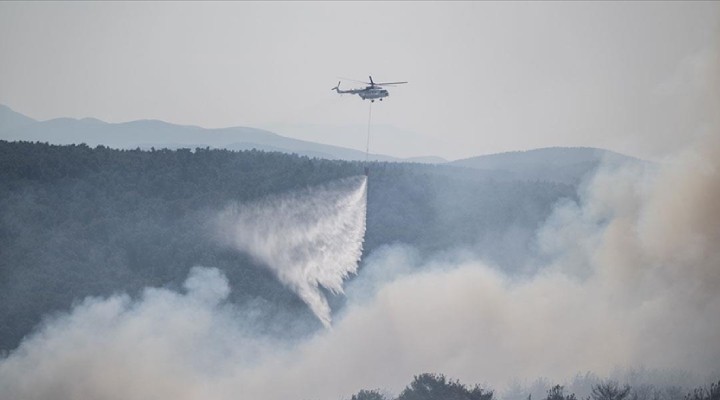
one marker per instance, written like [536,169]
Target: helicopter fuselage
[373,93]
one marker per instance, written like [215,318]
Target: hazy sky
[484,77]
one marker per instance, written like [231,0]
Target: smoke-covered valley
[495,282]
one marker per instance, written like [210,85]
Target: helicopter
[372,92]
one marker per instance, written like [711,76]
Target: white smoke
[308,238]
[117,348]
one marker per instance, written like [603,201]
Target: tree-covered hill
[77,221]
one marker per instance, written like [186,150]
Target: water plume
[310,238]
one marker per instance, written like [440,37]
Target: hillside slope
[77,221]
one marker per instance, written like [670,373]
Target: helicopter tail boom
[337,89]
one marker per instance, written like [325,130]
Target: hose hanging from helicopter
[367,145]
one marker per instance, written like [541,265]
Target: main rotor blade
[388,83]
[354,80]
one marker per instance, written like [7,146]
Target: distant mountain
[563,165]
[152,133]
[10,119]
[557,164]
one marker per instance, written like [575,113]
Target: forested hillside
[77,221]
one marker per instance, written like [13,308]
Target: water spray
[308,238]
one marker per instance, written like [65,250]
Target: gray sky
[484,77]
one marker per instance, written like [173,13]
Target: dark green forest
[77,221]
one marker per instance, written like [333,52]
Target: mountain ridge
[15,126]
[559,164]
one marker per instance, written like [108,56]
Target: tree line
[429,386]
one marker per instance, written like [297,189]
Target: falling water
[308,238]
